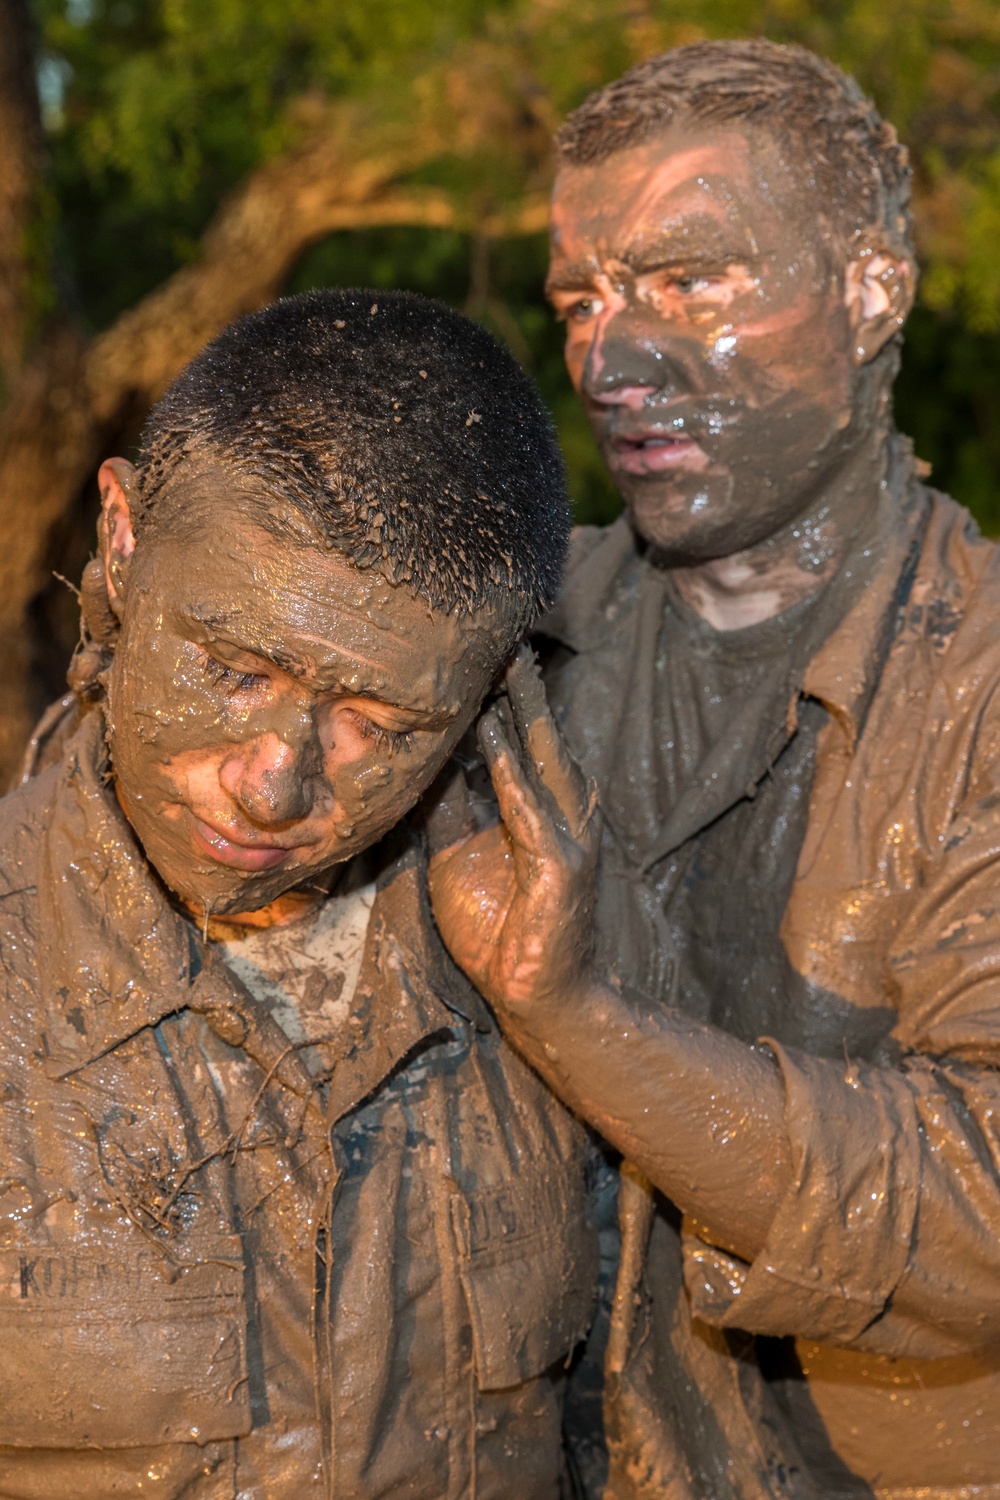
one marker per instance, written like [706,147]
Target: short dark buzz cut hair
[830,128]
[405,433]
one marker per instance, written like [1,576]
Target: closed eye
[231,678]
[392,740]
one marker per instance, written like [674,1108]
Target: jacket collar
[117,957]
[114,957]
[839,674]
[408,989]
[599,559]
[844,672]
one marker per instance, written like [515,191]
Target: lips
[225,850]
[652,452]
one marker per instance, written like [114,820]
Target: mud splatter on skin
[723,358]
[272,709]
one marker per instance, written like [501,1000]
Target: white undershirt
[306,972]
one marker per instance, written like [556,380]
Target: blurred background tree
[168,164]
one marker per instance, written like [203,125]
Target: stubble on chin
[683,521]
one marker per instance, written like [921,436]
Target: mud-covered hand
[514,902]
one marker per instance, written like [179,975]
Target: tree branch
[338,181]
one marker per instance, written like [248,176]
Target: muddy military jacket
[860,1352]
[219,1279]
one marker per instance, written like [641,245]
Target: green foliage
[167,104]
[948,399]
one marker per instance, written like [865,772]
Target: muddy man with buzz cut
[282,1215]
[755,938]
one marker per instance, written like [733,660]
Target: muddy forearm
[701,1113]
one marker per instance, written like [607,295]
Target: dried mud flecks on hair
[346,428]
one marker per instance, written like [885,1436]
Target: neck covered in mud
[795,564]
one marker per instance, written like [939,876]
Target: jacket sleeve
[889,1238]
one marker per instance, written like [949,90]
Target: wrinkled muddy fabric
[832,885]
[201,1247]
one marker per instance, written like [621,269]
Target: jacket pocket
[528,1265]
[121,1350]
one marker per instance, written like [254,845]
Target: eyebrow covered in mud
[342,678]
[665,256]
[677,253]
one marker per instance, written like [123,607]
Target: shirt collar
[408,989]
[596,565]
[115,957]
[843,673]
[612,603]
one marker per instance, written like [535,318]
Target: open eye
[693,285]
[669,290]
[719,287]
[579,309]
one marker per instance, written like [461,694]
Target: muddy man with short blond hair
[756,943]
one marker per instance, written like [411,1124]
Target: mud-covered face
[706,333]
[273,710]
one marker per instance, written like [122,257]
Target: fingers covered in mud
[530,827]
[548,758]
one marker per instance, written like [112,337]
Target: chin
[681,511]
[222,892]
[685,538]
[686,533]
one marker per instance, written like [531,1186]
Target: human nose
[633,368]
[269,779]
[631,396]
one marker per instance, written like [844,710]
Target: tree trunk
[49,441]
[21,204]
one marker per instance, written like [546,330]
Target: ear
[115,539]
[878,293]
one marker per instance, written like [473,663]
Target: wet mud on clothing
[236,1266]
[802,848]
